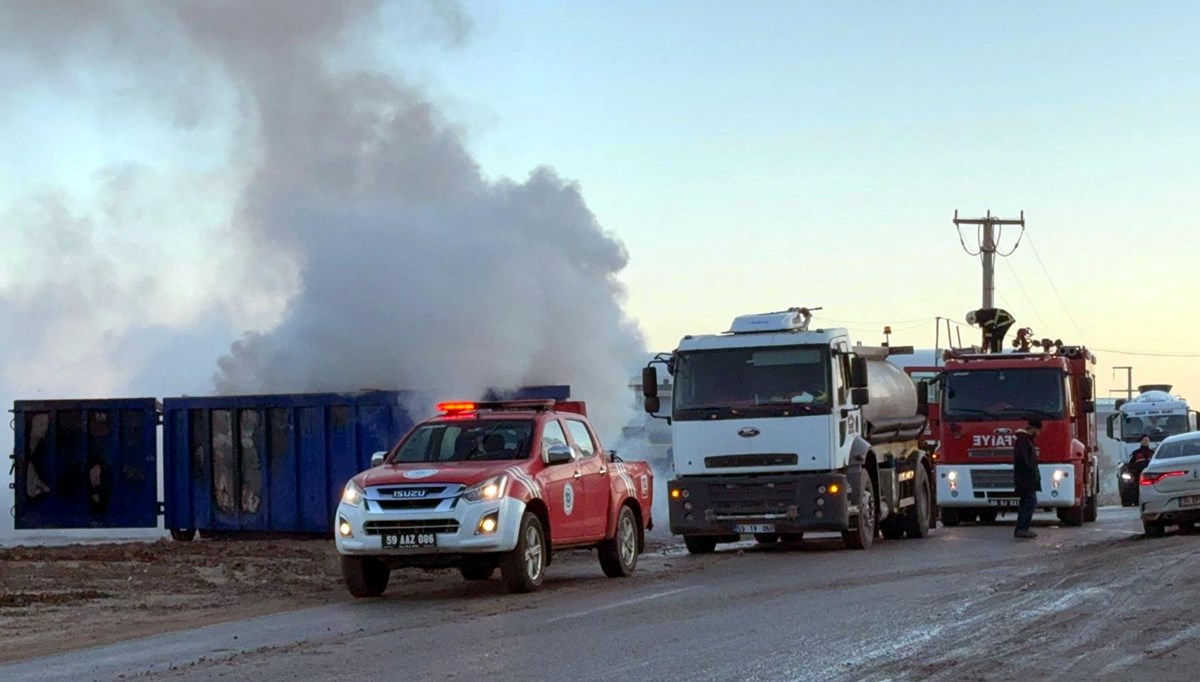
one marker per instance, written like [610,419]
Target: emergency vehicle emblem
[568,499]
[748,432]
[420,473]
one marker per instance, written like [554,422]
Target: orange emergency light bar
[456,407]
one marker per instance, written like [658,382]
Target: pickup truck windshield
[1003,394]
[759,380]
[467,440]
[1157,427]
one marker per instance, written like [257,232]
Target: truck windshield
[1157,427]
[1003,394]
[762,381]
[467,440]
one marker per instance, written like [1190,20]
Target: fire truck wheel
[862,536]
[987,518]
[365,576]
[916,517]
[619,556]
[700,544]
[477,571]
[1071,516]
[1154,529]
[523,567]
[1090,510]
[950,518]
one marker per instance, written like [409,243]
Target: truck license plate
[1189,501]
[1004,502]
[755,528]
[409,540]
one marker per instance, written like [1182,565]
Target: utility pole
[994,323]
[988,247]
[1128,381]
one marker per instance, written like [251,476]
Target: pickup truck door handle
[603,470]
[578,475]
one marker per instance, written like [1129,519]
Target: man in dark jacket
[1140,458]
[1027,480]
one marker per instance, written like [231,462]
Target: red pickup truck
[493,485]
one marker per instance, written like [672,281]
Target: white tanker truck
[779,430]
[1155,414]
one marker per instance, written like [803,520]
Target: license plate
[1190,501]
[1004,502]
[409,540]
[755,528]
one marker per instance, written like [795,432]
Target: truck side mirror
[1112,418]
[1088,389]
[923,397]
[377,458]
[858,373]
[860,396]
[652,404]
[559,454]
[1089,406]
[649,382]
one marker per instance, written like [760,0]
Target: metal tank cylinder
[893,395]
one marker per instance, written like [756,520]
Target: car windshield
[1003,394]
[748,377]
[467,440]
[1181,448]
[1156,427]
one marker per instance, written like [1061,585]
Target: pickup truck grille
[428,526]
[756,498]
[765,460]
[992,479]
[406,505]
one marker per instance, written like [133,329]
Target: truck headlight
[352,494]
[1125,476]
[952,476]
[492,489]
[1059,475]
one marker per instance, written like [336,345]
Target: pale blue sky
[754,156]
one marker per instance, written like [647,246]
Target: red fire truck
[984,399]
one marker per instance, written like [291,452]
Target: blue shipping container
[85,463]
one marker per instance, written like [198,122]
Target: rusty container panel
[85,463]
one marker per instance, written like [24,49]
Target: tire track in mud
[1101,612]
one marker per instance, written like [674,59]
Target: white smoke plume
[359,244]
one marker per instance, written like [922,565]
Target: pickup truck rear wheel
[700,544]
[523,567]
[619,555]
[365,576]
[862,536]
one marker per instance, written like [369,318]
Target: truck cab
[1155,414]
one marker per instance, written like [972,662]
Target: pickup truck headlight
[352,494]
[492,489]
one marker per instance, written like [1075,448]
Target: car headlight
[492,489]
[352,494]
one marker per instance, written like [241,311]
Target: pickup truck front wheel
[523,568]
[365,576]
[619,555]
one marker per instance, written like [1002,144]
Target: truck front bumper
[991,485]
[785,503]
[457,531]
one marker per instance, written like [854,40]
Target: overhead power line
[1053,286]
[1147,354]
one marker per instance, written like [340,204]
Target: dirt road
[1097,602]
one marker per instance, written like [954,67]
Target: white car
[1170,485]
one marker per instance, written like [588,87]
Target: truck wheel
[183,534]
[619,556]
[950,518]
[522,568]
[892,528]
[477,571]
[1154,529]
[1071,516]
[766,538]
[1091,510]
[916,520]
[791,538]
[365,576]
[987,518]
[863,534]
[700,544]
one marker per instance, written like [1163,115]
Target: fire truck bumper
[783,503]
[991,486]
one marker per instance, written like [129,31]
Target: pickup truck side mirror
[858,373]
[377,458]
[860,396]
[559,454]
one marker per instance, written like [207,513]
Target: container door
[85,464]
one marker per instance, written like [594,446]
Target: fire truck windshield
[758,381]
[1003,394]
